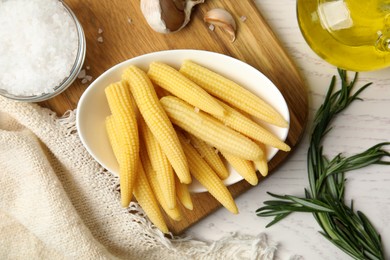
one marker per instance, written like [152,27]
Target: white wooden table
[362,125]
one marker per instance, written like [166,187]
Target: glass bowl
[78,63]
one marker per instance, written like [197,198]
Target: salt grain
[100,31]
[88,77]
[81,74]
[243,18]
[38,46]
[211,27]
[100,39]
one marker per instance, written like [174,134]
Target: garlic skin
[167,16]
[222,18]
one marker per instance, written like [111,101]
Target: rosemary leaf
[370,229]
[277,219]
[315,205]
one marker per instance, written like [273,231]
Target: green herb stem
[351,231]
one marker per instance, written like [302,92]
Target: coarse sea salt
[38,46]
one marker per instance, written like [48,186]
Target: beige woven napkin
[56,202]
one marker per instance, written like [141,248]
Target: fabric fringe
[68,121]
[235,246]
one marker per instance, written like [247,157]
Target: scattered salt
[100,39]
[100,31]
[196,109]
[84,81]
[38,46]
[81,74]
[211,27]
[88,67]
[243,18]
[129,20]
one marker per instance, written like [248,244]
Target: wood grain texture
[256,44]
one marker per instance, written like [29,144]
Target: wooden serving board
[126,35]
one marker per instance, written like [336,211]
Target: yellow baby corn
[210,155]
[172,80]
[157,120]
[112,136]
[209,129]
[207,177]
[160,164]
[262,163]
[262,166]
[243,167]
[183,194]
[232,93]
[250,128]
[146,199]
[125,124]
[151,175]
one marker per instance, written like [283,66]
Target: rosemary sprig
[351,231]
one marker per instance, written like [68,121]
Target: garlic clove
[152,12]
[188,9]
[172,13]
[223,19]
[166,16]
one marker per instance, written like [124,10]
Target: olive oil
[350,34]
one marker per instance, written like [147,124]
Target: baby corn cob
[207,177]
[124,127]
[232,93]
[151,175]
[112,136]
[146,199]
[261,166]
[157,120]
[160,164]
[209,154]
[172,80]
[183,194]
[243,167]
[248,127]
[262,163]
[209,129]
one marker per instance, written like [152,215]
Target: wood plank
[256,44]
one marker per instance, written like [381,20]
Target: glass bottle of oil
[350,34]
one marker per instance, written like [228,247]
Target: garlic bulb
[222,18]
[166,16]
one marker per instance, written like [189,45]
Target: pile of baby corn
[168,126]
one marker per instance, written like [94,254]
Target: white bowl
[93,107]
